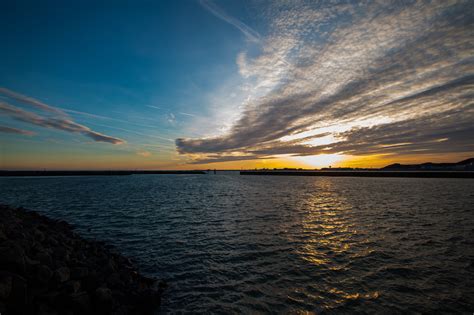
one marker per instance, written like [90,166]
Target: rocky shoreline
[46,268]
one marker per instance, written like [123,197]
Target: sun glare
[321,160]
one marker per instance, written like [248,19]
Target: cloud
[155,107]
[187,114]
[249,33]
[7,129]
[171,118]
[144,153]
[59,120]
[365,77]
[30,101]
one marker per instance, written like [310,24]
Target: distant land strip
[90,173]
[378,173]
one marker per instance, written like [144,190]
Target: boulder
[44,258]
[104,300]
[44,274]
[12,257]
[62,274]
[17,298]
[78,273]
[72,286]
[39,236]
[114,281]
[80,302]
[5,286]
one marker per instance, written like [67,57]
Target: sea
[230,244]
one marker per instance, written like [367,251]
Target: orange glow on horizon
[140,162]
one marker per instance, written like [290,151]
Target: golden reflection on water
[329,232]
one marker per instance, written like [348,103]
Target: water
[257,244]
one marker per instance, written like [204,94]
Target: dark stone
[44,274]
[5,286]
[78,273]
[72,286]
[51,298]
[62,274]
[80,302]
[3,237]
[44,258]
[65,273]
[148,300]
[104,300]
[61,253]
[12,257]
[39,236]
[17,299]
[114,281]
[31,265]
[92,281]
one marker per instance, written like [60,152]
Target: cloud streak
[53,118]
[6,129]
[249,33]
[366,76]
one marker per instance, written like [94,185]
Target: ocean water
[257,244]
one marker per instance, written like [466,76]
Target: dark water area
[257,244]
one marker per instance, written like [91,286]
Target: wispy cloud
[187,114]
[30,101]
[249,33]
[144,153]
[7,129]
[59,120]
[152,106]
[171,118]
[364,76]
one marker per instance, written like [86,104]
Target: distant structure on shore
[462,169]
[465,165]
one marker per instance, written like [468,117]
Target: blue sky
[181,84]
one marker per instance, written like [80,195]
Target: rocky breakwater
[46,268]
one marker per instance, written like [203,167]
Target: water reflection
[329,235]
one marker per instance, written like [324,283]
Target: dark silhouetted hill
[465,165]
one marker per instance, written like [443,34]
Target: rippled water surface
[257,244]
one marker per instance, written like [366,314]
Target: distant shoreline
[90,173]
[375,173]
[335,173]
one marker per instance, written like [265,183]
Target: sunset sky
[235,84]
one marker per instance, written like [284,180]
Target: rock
[50,298]
[39,236]
[49,269]
[148,300]
[44,258]
[114,281]
[31,265]
[92,281]
[3,237]
[17,299]
[61,253]
[78,273]
[72,286]
[111,265]
[12,257]
[104,300]
[62,274]
[80,302]
[44,274]
[5,286]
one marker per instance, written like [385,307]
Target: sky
[235,84]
